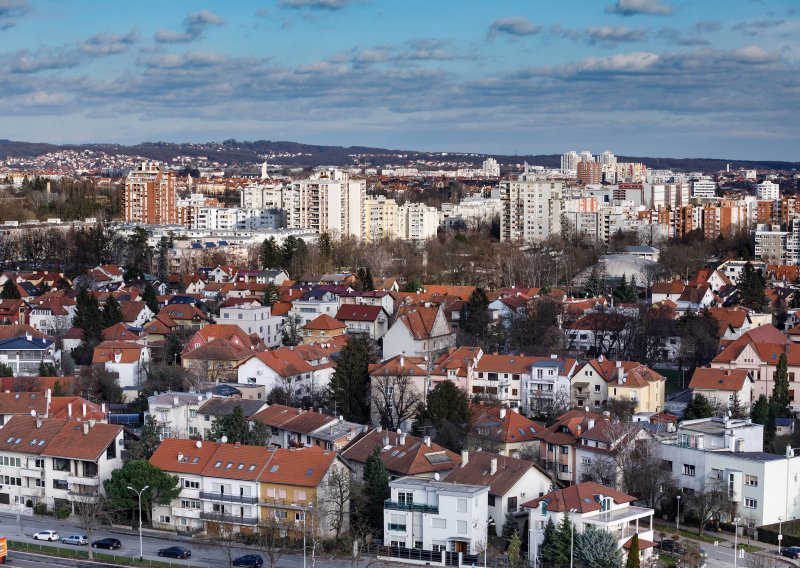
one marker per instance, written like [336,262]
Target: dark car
[251,560]
[670,546]
[107,543]
[791,552]
[175,552]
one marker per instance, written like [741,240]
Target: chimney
[590,424]
[175,401]
[618,364]
[464,457]
[28,336]
[600,358]
[606,415]
[502,413]
[103,407]
[402,439]
[578,430]
[379,429]
[84,409]
[493,466]
[386,439]
[69,410]
[85,428]
[427,441]
[553,356]
[92,422]
[180,456]
[402,360]
[620,374]
[49,396]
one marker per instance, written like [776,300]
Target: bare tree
[394,399]
[224,537]
[708,500]
[340,490]
[272,539]
[760,560]
[92,512]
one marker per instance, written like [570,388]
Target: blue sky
[680,78]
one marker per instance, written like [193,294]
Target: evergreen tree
[596,281]
[633,553]
[47,370]
[780,390]
[112,312]
[234,427]
[564,539]
[10,291]
[770,429]
[325,248]
[150,298]
[365,279]
[270,295]
[270,255]
[759,413]
[514,552]
[549,553]
[473,319]
[376,488]
[413,286]
[447,412]
[163,259]
[6,370]
[736,408]
[163,487]
[88,316]
[752,287]
[699,407]
[597,548]
[509,528]
[625,293]
[148,442]
[349,386]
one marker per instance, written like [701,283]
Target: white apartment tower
[768,191]
[531,209]
[607,159]
[491,168]
[149,196]
[328,201]
[585,156]
[569,162]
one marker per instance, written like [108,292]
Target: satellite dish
[399,431]
[224,439]
[199,444]
[33,413]
[586,409]
[436,476]
[341,418]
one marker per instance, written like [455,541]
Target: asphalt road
[202,554]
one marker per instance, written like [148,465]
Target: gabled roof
[583,497]
[671,288]
[121,332]
[183,312]
[58,438]
[183,456]
[224,406]
[719,379]
[107,351]
[767,340]
[131,310]
[285,362]
[237,461]
[324,322]
[511,428]
[21,343]
[477,471]
[457,359]
[413,457]
[219,350]
[305,467]
[462,292]
[495,363]
[419,320]
[567,427]
[19,330]
[22,403]
[399,366]
[161,324]
[358,312]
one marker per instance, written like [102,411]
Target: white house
[25,353]
[127,359]
[304,368]
[176,413]
[419,331]
[436,516]
[372,320]
[254,318]
[722,386]
[313,304]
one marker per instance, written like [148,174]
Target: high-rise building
[569,162]
[590,172]
[417,222]
[585,156]
[380,219]
[704,189]
[491,168]
[606,158]
[531,208]
[328,201]
[149,196]
[768,190]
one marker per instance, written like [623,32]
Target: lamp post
[533,536]
[780,533]
[572,537]
[735,542]
[678,516]
[308,508]
[139,495]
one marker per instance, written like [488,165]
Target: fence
[81,554]
[769,534]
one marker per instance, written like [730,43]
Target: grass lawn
[692,535]
[79,552]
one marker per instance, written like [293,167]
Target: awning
[643,544]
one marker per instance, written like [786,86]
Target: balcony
[30,472]
[417,507]
[228,498]
[184,512]
[232,519]
[93,481]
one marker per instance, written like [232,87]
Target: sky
[673,78]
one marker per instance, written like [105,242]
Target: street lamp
[572,537]
[307,509]
[678,516]
[735,542]
[533,536]
[139,495]
[780,533]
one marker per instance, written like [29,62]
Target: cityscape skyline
[647,77]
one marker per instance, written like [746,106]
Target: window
[405,498]
[164,519]
[190,504]
[750,503]
[550,447]
[462,527]
[688,469]
[751,480]
[60,484]
[418,544]
[491,500]
[586,461]
[596,388]
[60,464]
[438,546]
[190,484]
[563,469]
[564,449]
[512,503]
[280,515]
[461,505]
[438,523]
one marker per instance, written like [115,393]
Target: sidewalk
[723,537]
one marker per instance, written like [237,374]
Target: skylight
[11,439]
[309,471]
[240,466]
[195,460]
[219,463]
[252,467]
[41,442]
[230,465]
[274,468]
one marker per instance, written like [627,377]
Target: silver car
[76,539]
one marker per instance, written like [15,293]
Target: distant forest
[244,154]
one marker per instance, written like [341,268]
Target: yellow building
[298,489]
[380,219]
[641,384]
[322,329]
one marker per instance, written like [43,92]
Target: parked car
[791,552]
[175,552]
[249,560]
[76,539]
[107,543]
[670,546]
[46,535]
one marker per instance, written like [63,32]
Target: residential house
[124,332]
[435,516]
[559,441]
[158,328]
[298,428]
[52,313]
[724,386]
[185,316]
[253,318]
[22,404]
[418,331]
[176,413]
[505,431]
[223,273]
[217,407]
[25,353]
[314,303]
[397,386]
[402,454]
[215,331]
[547,385]
[129,360]
[276,277]
[52,461]
[601,379]
[593,505]
[372,320]
[135,313]
[216,361]
[13,312]
[660,291]
[322,329]
[603,450]
[598,333]
[301,370]
[511,482]
[375,297]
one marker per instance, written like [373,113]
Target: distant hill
[238,153]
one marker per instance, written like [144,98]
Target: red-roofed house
[322,329]
[558,442]
[417,332]
[127,359]
[360,318]
[397,387]
[591,504]
[722,385]
[302,369]
[505,431]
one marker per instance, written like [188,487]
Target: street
[202,554]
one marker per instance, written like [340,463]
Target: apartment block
[590,172]
[328,201]
[149,195]
[531,208]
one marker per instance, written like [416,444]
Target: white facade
[768,190]
[531,209]
[254,319]
[436,516]
[236,219]
[176,413]
[569,162]
[417,222]
[704,189]
[491,168]
[327,201]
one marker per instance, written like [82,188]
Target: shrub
[29,503]
[40,509]
[62,513]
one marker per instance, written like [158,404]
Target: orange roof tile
[305,467]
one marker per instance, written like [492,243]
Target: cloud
[107,44]
[194,26]
[262,12]
[329,5]
[757,27]
[516,27]
[639,7]
[10,10]
[675,37]
[613,35]
[44,59]
[707,26]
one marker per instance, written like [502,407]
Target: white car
[76,539]
[46,535]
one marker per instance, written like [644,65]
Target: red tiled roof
[413,457]
[358,312]
[583,497]
[719,379]
[477,471]
[305,467]
[324,322]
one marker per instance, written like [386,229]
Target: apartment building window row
[750,503]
